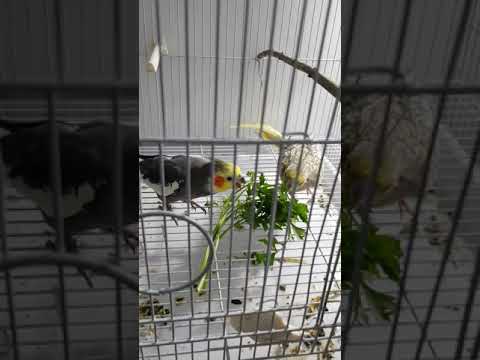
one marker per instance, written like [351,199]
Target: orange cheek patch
[219,181]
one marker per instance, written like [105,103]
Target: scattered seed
[180,300]
[283,287]
[296,349]
[236,301]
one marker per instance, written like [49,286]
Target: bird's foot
[72,245]
[196,206]
[50,245]
[168,208]
[71,248]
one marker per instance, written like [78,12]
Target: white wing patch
[169,188]
[73,202]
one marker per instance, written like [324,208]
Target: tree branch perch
[321,80]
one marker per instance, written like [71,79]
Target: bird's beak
[240,182]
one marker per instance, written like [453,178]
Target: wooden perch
[321,80]
[154,59]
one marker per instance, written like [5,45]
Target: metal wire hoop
[113,271]
[209,260]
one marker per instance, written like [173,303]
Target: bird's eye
[229,178]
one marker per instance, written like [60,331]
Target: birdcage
[432,301]
[266,293]
[46,309]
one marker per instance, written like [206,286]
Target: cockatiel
[405,151]
[406,143]
[310,160]
[200,177]
[407,139]
[87,170]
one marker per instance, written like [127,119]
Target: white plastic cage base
[229,274]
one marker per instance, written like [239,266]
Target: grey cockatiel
[297,167]
[175,177]
[87,173]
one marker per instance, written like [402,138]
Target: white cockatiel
[300,164]
[405,149]
[407,139]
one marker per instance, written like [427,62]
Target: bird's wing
[406,142]
[86,165]
[152,174]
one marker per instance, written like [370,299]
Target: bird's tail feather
[268,132]
[13,125]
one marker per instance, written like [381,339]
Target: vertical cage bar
[145,251]
[348,43]
[476,346]
[326,292]
[165,233]
[118,168]
[237,134]
[188,164]
[257,153]
[56,177]
[421,192]
[8,275]
[451,236]
[161,87]
[212,149]
[277,179]
[368,195]
[468,307]
[299,166]
[317,246]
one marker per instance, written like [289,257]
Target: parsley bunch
[380,258]
[256,211]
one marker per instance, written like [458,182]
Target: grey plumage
[175,176]
[87,172]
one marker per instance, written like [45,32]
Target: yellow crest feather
[268,132]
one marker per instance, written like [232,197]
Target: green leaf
[302,211]
[383,304]
[298,231]
[261,258]
[386,251]
[274,243]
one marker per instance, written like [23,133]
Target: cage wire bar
[436,308]
[192,123]
[22,338]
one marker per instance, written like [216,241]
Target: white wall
[202,22]
[431,31]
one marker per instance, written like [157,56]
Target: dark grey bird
[87,174]
[175,178]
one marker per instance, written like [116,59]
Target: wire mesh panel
[420,96]
[272,290]
[61,109]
